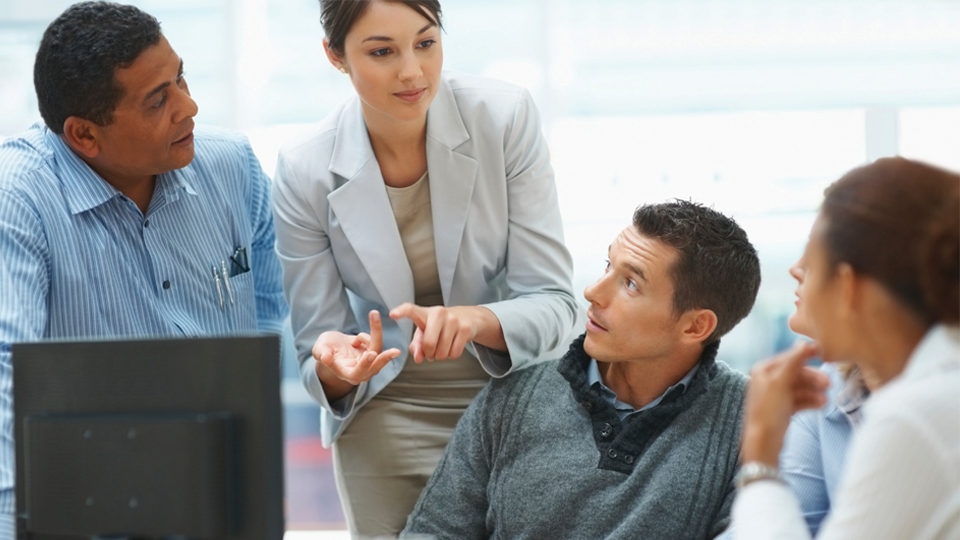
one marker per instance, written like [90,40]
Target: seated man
[116,217]
[634,433]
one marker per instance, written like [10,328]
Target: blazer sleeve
[318,297]
[539,313]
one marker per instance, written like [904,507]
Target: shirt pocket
[244,311]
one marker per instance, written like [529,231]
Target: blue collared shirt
[79,259]
[815,446]
[623,409]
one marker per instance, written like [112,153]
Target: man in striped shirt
[119,218]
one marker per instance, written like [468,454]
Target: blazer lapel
[452,177]
[362,210]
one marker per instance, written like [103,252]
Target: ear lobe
[81,136]
[700,324]
[332,56]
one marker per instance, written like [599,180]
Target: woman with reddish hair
[881,290]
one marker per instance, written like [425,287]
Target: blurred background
[751,106]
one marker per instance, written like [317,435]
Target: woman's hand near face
[778,388]
[443,332]
[344,361]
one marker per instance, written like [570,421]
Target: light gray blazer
[496,221]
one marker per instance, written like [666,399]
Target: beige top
[413,212]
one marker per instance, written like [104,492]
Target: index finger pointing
[410,311]
[376,331]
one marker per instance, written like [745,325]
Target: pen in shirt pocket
[216,281]
[238,265]
[226,279]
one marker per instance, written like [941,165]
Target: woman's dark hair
[338,16]
[898,221]
[717,267]
[79,55]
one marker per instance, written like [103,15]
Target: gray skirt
[384,458]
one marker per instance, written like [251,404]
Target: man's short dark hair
[79,55]
[717,267]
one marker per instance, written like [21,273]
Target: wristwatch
[755,470]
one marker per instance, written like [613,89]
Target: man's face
[631,315]
[152,129]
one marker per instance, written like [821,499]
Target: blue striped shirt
[815,446]
[79,259]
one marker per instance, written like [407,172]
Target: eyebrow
[635,269]
[385,38]
[161,86]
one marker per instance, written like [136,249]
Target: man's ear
[82,136]
[332,56]
[697,325]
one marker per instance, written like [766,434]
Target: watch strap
[755,470]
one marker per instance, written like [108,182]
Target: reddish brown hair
[898,221]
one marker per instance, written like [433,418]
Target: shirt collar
[85,190]
[625,409]
[845,402]
[853,393]
[573,368]
[172,183]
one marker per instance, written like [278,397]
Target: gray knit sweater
[540,455]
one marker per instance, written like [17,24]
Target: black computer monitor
[149,439]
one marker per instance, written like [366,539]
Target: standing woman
[882,290]
[428,197]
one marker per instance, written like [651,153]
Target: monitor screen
[149,439]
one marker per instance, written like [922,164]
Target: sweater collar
[575,364]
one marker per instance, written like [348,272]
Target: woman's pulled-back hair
[940,260]
[898,221]
[338,16]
